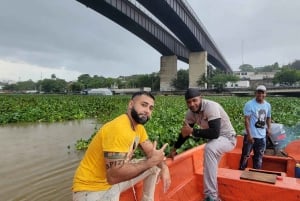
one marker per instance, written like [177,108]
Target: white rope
[133,190]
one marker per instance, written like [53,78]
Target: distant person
[215,126]
[257,114]
[106,169]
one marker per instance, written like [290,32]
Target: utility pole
[242,52]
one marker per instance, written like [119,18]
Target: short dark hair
[139,93]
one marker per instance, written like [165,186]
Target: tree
[144,81]
[268,68]
[218,79]
[26,85]
[287,75]
[246,68]
[202,80]
[98,82]
[296,65]
[182,80]
[53,86]
[75,87]
[21,86]
[85,80]
[10,87]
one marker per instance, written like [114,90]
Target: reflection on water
[36,163]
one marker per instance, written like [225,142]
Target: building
[98,91]
[254,79]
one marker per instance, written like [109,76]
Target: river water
[38,160]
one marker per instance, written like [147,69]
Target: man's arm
[164,174]
[213,132]
[187,130]
[247,128]
[180,141]
[117,170]
[247,125]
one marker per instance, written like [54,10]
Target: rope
[133,190]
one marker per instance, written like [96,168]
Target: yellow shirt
[115,136]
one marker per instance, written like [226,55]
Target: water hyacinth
[164,125]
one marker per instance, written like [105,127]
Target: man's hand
[172,153]
[165,177]
[157,155]
[269,132]
[250,139]
[186,130]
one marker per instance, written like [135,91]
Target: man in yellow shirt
[106,169]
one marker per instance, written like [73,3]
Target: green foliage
[268,68]
[21,86]
[53,108]
[146,80]
[75,87]
[166,120]
[169,113]
[289,76]
[218,79]
[246,68]
[83,144]
[85,81]
[182,80]
[296,65]
[164,125]
[203,80]
[53,85]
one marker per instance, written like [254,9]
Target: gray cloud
[67,34]
[267,29]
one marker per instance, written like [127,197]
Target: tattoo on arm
[114,159]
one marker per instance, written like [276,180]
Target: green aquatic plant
[163,127]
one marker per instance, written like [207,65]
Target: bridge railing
[195,16]
[149,14]
[188,6]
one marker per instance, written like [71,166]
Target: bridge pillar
[197,67]
[168,71]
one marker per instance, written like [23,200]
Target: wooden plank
[259,176]
[267,172]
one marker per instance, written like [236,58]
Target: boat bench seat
[229,183]
[231,160]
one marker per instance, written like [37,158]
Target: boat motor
[277,140]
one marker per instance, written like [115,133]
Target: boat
[276,181]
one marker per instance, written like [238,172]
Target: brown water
[35,161]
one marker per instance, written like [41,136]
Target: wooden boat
[275,182]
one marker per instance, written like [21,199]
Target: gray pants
[213,153]
[113,194]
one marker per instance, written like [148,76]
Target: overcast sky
[63,37]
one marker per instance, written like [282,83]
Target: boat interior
[275,181]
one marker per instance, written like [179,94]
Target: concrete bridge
[177,34]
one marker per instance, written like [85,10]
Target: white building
[255,75]
[238,84]
[99,91]
[131,90]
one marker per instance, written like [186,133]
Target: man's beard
[139,119]
[197,111]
